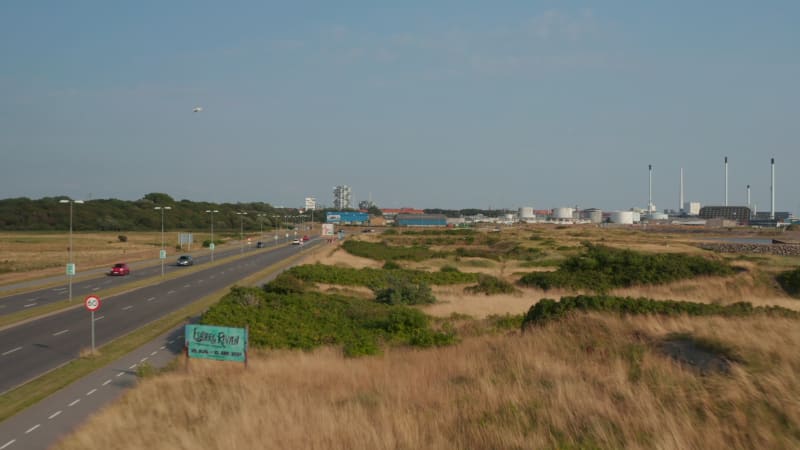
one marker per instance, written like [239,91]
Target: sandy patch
[339,257]
[452,299]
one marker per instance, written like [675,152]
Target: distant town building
[342,197]
[311,203]
[691,208]
[421,220]
[391,213]
[738,214]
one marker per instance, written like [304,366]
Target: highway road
[81,289]
[32,348]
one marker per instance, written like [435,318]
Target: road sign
[212,342]
[92,303]
[211,246]
[70,269]
[162,254]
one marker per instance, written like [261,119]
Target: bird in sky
[197,109]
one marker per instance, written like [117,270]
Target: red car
[120,269]
[306,238]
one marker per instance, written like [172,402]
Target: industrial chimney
[650,198]
[772,192]
[680,204]
[726,181]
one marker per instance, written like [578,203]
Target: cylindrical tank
[562,213]
[526,212]
[657,216]
[594,215]
[637,217]
[623,217]
[509,217]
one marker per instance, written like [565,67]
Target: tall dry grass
[589,382]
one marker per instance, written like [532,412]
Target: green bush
[401,291]
[375,278]
[490,285]
[122,238]
[311,319]
[285,284]
[547,309]
[790,282]
[602,268]
[391,265]
[449,268]
[383,252]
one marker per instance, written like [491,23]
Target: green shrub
[401,291]
[449,268]
[383,252]
[285,284]
[122,238]
[490,285]
[391,265]
[602,268]
[375,278]
[547,310]
[790,282]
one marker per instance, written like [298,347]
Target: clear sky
[449,104]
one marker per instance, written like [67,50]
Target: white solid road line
[55,414]
[33,428]
[91,392]
[106,382]
[12,351]
[127,307]
[98,318]
[8,443]
[74,402]
[60,332]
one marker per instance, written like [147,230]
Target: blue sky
[450,104]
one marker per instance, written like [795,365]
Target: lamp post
[70,263]
[241,215]
[163,254]
[211,245]
[261,222]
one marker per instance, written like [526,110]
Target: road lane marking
[163,347]
[33,428]
[143,359]
[154,353]
[55,414]
[12,351]
[29,305]
[127,307]
[132,367]
[151,299]
[121,374]
[91,392]
[106,382]
[8,443]
[212,277]
[60,332]
[74,402]
[60,289]
[98,318]
[33,299]
[96,289]
[170,342]
[186,286]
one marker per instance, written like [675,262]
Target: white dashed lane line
[29,305]
[8,443]
[170,292]
[98,318]
[105,383]
[132,367]
[60,332]
[154,353]
[74,402]
[151,299]
[127,307]
[11,351]
[31,429]
[163,347]
[121,374]
[54,415]
[143,359]
[186,286]
[91,392]
[95,289]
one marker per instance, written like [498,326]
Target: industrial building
[347,217]
[342,197]
[421,220]
[738,214]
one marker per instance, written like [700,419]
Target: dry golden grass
[588,382]
[339,257]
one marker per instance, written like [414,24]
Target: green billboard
[220,343]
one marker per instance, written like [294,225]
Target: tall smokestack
[726,181]
[650,198]
[680,205]
[772,192]
[748,195]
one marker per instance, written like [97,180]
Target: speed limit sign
[92,303]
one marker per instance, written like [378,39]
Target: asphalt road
[30,349]
[80,289]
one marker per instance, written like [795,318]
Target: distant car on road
[296,242]
[120,269]
[185,260]
[306,238]
[260,244]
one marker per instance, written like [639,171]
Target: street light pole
[70,263]
[241,215]
[163,254]
[212,245]
[261,222]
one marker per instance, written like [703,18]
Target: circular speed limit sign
[92,303]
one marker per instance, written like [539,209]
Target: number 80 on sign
[92,303]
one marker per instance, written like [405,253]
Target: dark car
[260,244]
[185,260]
[120,269]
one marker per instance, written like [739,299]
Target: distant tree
[158,198]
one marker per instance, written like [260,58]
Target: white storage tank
[637,216]
[526,212]
[594,215]
[509,217]
[563,213]
[622,217]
